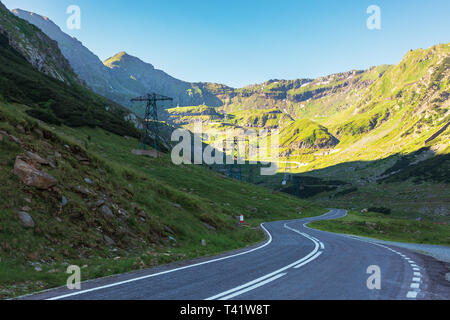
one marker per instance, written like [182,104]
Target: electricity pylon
[151,117]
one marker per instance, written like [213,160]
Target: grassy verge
[183,205]
[378,226]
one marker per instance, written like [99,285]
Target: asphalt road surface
[294,263]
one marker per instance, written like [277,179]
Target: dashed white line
[415,285]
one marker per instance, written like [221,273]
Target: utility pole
[151,117]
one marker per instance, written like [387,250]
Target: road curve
[295,263]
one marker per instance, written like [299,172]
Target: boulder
[26,220]
[106,211]
[99,203]
[109,241]
[31,176]
[37,158]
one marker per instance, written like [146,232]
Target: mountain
[122,76]
[35,73]
[73,193]
[37,48]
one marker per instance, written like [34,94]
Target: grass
[378,226]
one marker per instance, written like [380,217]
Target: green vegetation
[182,205]
[306,133]
[378,226]
[54,101]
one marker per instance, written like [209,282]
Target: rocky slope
[39,50]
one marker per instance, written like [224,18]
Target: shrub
[380,210]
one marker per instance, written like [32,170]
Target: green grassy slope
[182,205]
[54,101]
[375,225]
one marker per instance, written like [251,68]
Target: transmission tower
[151,116]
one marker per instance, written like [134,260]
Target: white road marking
[412,294]
[259,284]
[254,283]
[164,272]
[417,274]
[415,285]
[322,246]
[309,260]
[416,279]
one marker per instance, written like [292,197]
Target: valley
[371,142]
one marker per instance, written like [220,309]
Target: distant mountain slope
[38,49]
[56,98]
[122,76]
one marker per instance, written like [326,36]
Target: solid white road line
[164,272]
[259,284]
[309,260]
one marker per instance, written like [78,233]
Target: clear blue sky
[240,42]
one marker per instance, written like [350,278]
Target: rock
[124,214]
[26,220]
[26,209]
[37,158]
[172,239]
[99,203]
[1,138]
[57,154]
[63,201]
[364,210]
[203,242]
[31,176]
[106,211]
[83,190]
[210,227]
[20,128]
[178,206]
[142,214]
[109,241]
[38,269]
[16,140]
[87,180]
[39,132]
[28,200]
[52,164]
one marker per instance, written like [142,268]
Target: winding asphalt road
[295,262]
